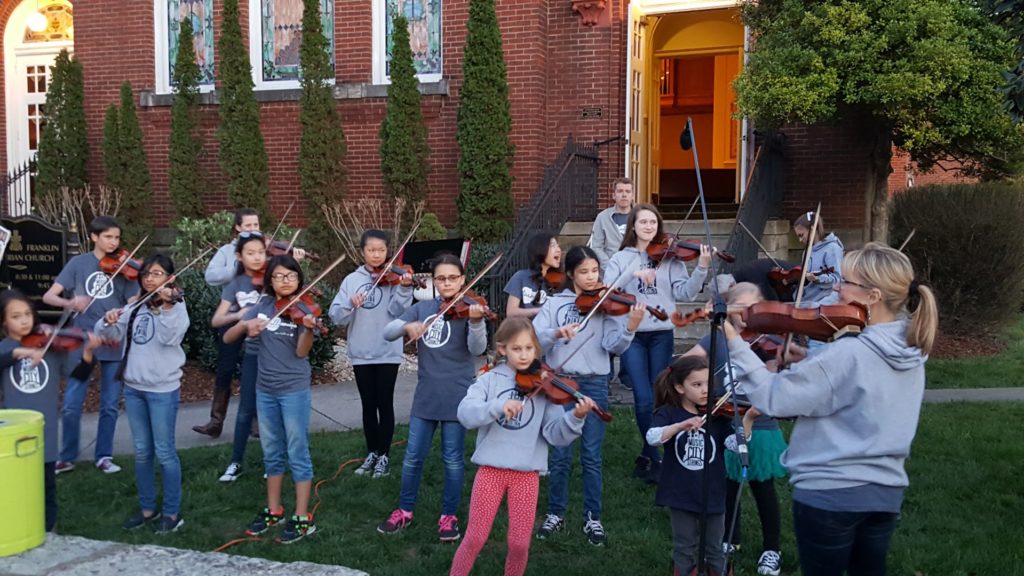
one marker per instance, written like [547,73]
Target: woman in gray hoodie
[823,272]
[858,401]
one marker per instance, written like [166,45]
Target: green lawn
[1003,370]
[960,517]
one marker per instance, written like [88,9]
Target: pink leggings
[488,491]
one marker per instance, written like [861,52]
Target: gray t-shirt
[25,387]
[82,276]
[281,371]
[241,293]
[522,286]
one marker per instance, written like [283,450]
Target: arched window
[275,39]
[424,18]
[167,16]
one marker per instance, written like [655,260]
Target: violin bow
[111,277]
[308,287]
[909,236]
[60,325]
[163,284]
[465,290]
[291,243]
[607,292]
[803,278]
[394,257]
[566,361]
[756,241]
[281,221]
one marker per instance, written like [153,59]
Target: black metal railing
[16,190]
[762,201]
[568,192]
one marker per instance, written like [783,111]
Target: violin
[618,303]
[679,320]
[112,261]
[393,276]
[539,377]
[257,277]
[280,248]
[784,280]
[460,311]
[761,344]
[824,323]
[66,340]
[668,246]
[728,410]
[555,278]
[157,300]
[305,306]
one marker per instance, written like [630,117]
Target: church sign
[36,253]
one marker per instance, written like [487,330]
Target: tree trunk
[877,193]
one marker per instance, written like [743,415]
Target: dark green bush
[431,228]
[969,247]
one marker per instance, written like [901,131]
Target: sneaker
[398,521]
[594,531]
[296,529]
[166,525]
[382,468]
[107,466]
[625,381]
[642,468]
[233,471]
[61,467]
[770,563]
[730,549]
[367,466]
[552,523]
[654,473]
[263,522]
[138,520]
[448,528]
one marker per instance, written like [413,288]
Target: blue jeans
[152,416]
[648,355]
[453,444]
[71,412]
[836,543]
[284,433]
[246,407]
[590,443]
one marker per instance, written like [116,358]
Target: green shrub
[63,144]
[431,228]
[969,247]
[184,173]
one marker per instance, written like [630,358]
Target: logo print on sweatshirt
[247,298]
[690,450]
[521,420]
[373,298]
[643,287]
[29,379]
[97,286]
[143,330]
[438,334]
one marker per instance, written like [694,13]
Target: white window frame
[161,56]
[379,23]
[256,53]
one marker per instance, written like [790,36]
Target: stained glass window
[201,14]
[424,18]
[282,36]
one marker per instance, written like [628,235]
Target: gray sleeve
[686,287]
[401,299]
[476,410]
[545,326]
[612,271]
[561,426]
[476,338]
[222,266]
[599,241]
[171,325]
[341,308]
[834,258]
[805,389]
[616,339]
[396,328]
[114,331]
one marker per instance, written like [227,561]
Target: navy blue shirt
[682,472]
[762,422]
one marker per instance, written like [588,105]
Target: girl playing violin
[30,380]
[682,393]
[153,358]
[511,446]
[236,297]
[283,400]
[528,289]
[364,305]
[567,345]
[658,285]
[858,400]
[446,350]
[765,446]
[827,252]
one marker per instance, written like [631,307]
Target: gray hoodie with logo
[826,252]
[155,358]
[366,343]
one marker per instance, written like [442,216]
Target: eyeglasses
[250,234]
[857,285]
[154,274]
[447,279]
[289,277]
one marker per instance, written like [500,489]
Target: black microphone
[741,449]
[686,138]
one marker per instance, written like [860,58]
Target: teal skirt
[765,447]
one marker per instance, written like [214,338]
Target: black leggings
[228,356]
[767,509]
[50,483]
[376,383]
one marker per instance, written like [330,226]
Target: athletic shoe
[770,563]
[730,549]
[296,529]
[367,466]
[654,473]
[642,468]
[382,468]
[264,521]
[61,467]
[552,523]
[166,525]
[233,471]
[448,528]
[594,531]
[107,466]
[398,521]
[138,520]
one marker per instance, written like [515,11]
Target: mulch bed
[949,346]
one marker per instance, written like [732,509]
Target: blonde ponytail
[924,319]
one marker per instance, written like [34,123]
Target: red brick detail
[826,164]
[906,173]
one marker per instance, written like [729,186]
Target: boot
[218,410]
[255,428]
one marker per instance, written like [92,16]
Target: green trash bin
[22,503]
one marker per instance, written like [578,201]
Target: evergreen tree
[136,213]
[484,123]
[112,147]
[403,135]
[322,147]
[243,157]
[184,178]
[63,147]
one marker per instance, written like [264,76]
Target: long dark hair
[537,252]
[283,261]
[665,393]
[243,239]
[629,239]
[13,295]
[574,257]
